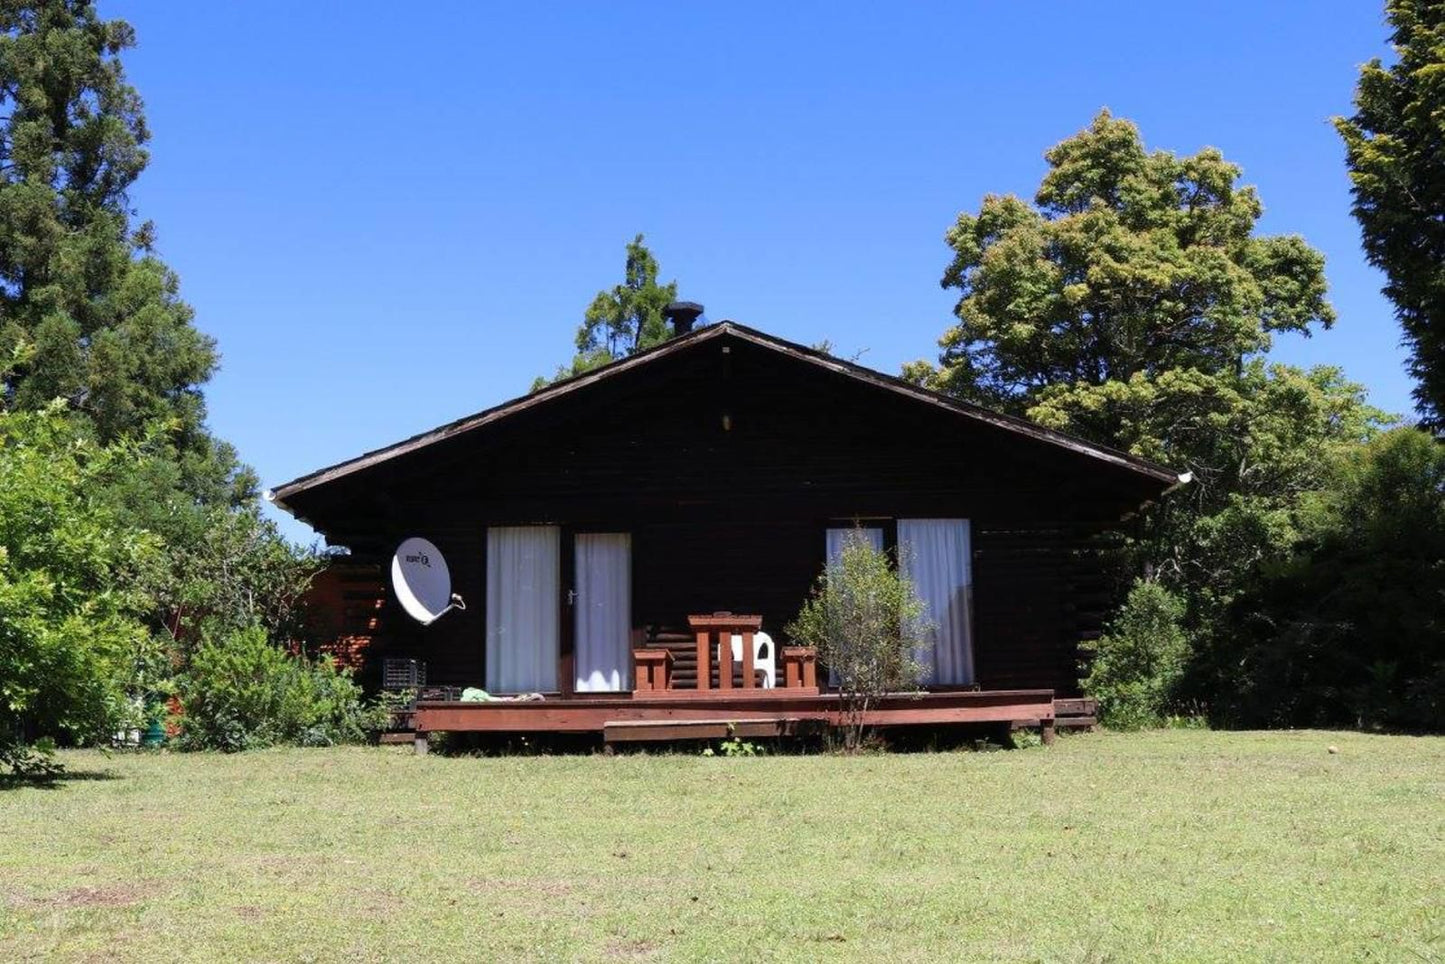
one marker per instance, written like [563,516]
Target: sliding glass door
[937,556]
[603,654]
[523,604]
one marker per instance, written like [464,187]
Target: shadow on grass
[52,781]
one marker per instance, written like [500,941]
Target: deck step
[1077,713]
[638,731]
[397,736]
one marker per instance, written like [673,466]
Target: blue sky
[393,215]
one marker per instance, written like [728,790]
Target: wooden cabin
[610,532]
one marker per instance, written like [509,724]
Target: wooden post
[653,670]
[800,667]
[724,658]
[1046,731]
[748,681]
[704,658]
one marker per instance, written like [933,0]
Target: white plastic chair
[765,656]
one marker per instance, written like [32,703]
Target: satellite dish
[422,581]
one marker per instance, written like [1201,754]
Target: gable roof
[688,342]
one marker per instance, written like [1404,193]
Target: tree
[868,625]
[88,312]
[623,320]
[1127,263]
[75,652]
[1133,304]
[92,320]
[1254,443]
[1395,149]
[1349,629]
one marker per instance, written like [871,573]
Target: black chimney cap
[682,314]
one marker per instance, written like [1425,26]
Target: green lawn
[1167,846]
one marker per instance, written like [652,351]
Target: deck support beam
[736,705]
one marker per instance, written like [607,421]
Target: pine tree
[88,312]
[624,319]
[1395,148]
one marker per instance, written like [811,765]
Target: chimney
[682,314]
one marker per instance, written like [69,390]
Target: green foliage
[1138,664]
[241,692]
[1132,304]
[623,320]
[237,572]
[90,314]
[1350,629]
[74,649]
[734,746]
[1127,263]
[1254,441]
[868,625]
[1394,146]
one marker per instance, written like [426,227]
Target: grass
[1176,845]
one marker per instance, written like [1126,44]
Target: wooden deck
[780,708]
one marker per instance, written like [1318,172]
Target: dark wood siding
[727,467]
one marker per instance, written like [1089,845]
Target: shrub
[74,649]
[1138,664]
[1349,631]
[867,624]
[243,692]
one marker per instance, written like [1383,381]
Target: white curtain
[936,555]
[836,539]
[522,608]
[604,612]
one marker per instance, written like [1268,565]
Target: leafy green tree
[91,319]
[1127,263]
[624,319]
[75,650]
[869,628]
[1255,443]
[88,313]
[1395,148]
[1133,304]
[238,572]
